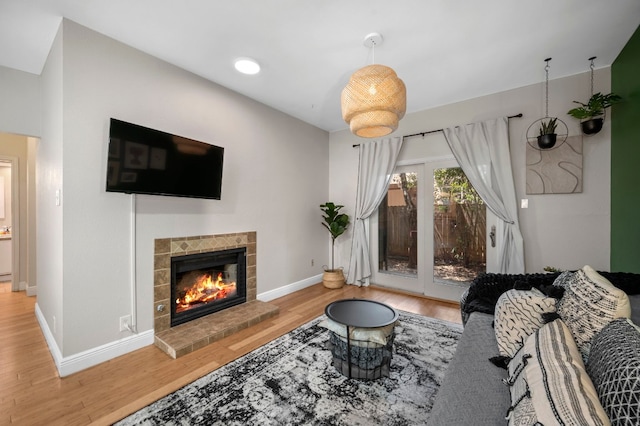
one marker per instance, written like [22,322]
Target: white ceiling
[444,50]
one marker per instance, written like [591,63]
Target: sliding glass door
[430,233]
[398,252]
[459,228]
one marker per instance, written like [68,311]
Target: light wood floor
[31,393]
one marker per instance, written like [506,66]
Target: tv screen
[147,161]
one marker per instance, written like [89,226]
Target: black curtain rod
[442,130]
[439,130]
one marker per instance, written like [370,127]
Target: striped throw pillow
[549,383]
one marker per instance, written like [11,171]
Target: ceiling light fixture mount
[372,40]
[375,99]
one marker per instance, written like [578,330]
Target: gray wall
[564,231]
[275,176]
[49,178]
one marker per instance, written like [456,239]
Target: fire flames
[205,290]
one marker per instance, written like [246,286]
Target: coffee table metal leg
[349,350]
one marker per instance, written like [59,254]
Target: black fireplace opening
[204,283]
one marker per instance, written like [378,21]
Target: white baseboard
[22,286]
[80,361]
[32,291]
[89,358]
[288,289]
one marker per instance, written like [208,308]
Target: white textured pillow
[549,384]
[563,279]
[589,303]
[519,313]
[379,335]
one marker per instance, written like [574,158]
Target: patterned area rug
[291,381]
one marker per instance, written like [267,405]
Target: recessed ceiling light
[247,66]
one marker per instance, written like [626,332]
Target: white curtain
[377,161]
[482,150]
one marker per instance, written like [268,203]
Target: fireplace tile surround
[185,338]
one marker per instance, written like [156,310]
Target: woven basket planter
[333,278]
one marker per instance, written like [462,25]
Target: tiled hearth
[185,338]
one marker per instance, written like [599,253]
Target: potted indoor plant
[336,223]
[547,137]
[591,114]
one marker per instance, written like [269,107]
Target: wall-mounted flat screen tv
[147,161]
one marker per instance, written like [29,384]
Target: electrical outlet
[125,322]
[313,262]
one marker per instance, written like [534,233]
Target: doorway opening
[428,236]
[398,226]
[8,210]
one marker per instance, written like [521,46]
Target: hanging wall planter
[548,136]
[547,141]
[592,126]
[546,132]
[592,113]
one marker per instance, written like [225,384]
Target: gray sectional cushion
[473,392]
[635,308]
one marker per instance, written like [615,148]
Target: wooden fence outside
[455,236]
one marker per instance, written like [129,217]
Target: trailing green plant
[335,222]
[548,127]
[595,107]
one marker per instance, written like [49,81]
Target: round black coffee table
[360,313]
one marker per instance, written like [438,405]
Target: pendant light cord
[373,54]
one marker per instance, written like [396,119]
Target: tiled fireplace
[183,338]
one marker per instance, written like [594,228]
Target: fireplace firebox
[204,283]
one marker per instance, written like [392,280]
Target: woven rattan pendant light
[375,99]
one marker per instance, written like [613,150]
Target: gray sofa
[473,392]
